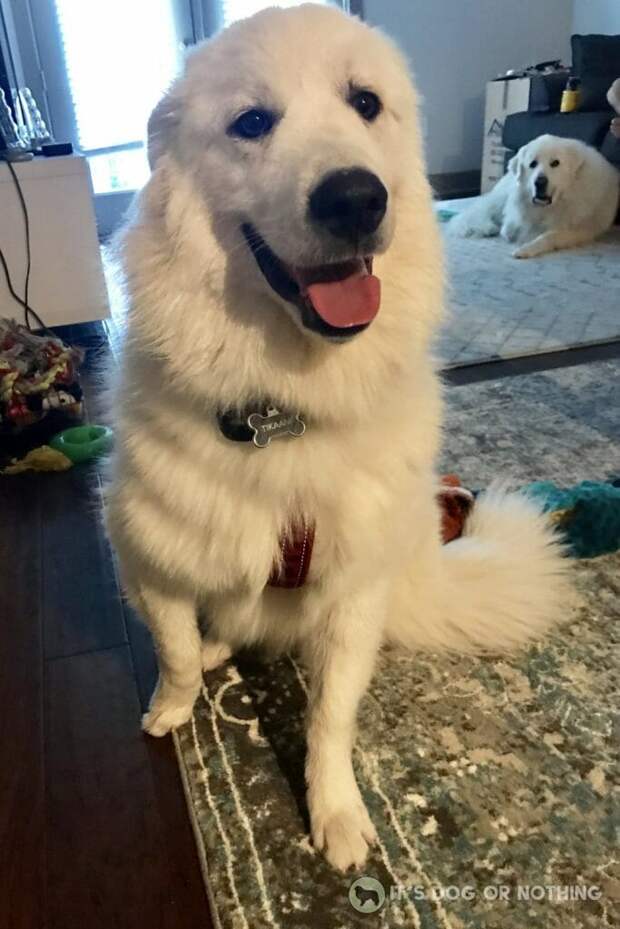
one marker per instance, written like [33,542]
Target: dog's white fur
[583,187]
[196,518]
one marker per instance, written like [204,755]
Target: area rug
[500,307]
[491,782]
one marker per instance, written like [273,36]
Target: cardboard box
[503,97]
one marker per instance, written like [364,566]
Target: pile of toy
[38,374]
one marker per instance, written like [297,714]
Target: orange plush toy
[455,502]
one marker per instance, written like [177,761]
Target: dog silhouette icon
[367,895]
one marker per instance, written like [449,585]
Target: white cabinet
[66,281]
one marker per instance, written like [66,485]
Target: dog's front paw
[526,251]
[344,836]
[214,654]
[161,720]
[169,709]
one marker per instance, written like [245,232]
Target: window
[119,57]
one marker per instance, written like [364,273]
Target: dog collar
[259,424]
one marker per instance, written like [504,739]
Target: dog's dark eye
[533,164]
[554,163]
[366,103]
[252,124]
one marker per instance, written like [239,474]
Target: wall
[455,47]
[597,16]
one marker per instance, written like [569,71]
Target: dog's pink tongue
[351,302]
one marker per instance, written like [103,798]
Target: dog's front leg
[341,660]
[555,241]
[173,623]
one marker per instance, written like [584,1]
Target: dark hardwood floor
[94,830]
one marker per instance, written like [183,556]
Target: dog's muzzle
[541,186]
[338,299]
[349,204]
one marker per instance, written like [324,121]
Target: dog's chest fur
[211,512]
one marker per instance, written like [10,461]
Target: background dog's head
[547,168]
[296,130]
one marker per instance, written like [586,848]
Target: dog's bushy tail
[483,218]
[502,583]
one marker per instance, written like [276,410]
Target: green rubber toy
[81,443]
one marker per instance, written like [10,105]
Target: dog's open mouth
[542,200]
[336,300]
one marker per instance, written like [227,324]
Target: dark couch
[596,61]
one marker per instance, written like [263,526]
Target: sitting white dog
[557,193]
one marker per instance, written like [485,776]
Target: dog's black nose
[349,203]
[541,183]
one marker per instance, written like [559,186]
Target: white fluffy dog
[284,256]
[557,193]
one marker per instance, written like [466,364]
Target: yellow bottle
[571,96]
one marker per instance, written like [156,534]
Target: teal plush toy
[588,514]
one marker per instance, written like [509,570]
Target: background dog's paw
[467,226]
[509,233]
[486,230]
[163,717]
[461,231]
[214,654]
[344,836]
[460,227]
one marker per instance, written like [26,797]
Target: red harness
[296,548]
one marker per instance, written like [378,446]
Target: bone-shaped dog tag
[274,425]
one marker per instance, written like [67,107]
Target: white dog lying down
[285,254]
[557,193]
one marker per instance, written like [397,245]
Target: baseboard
[495,368]
[456,184]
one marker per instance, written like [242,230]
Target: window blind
[120,55]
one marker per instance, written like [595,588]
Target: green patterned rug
[490,782]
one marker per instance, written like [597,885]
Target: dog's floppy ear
[577,160]
[516,163]
[162,126]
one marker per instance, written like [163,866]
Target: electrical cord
[22,201]
[23,302]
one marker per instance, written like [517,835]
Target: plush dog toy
[613,95]
[587,514]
